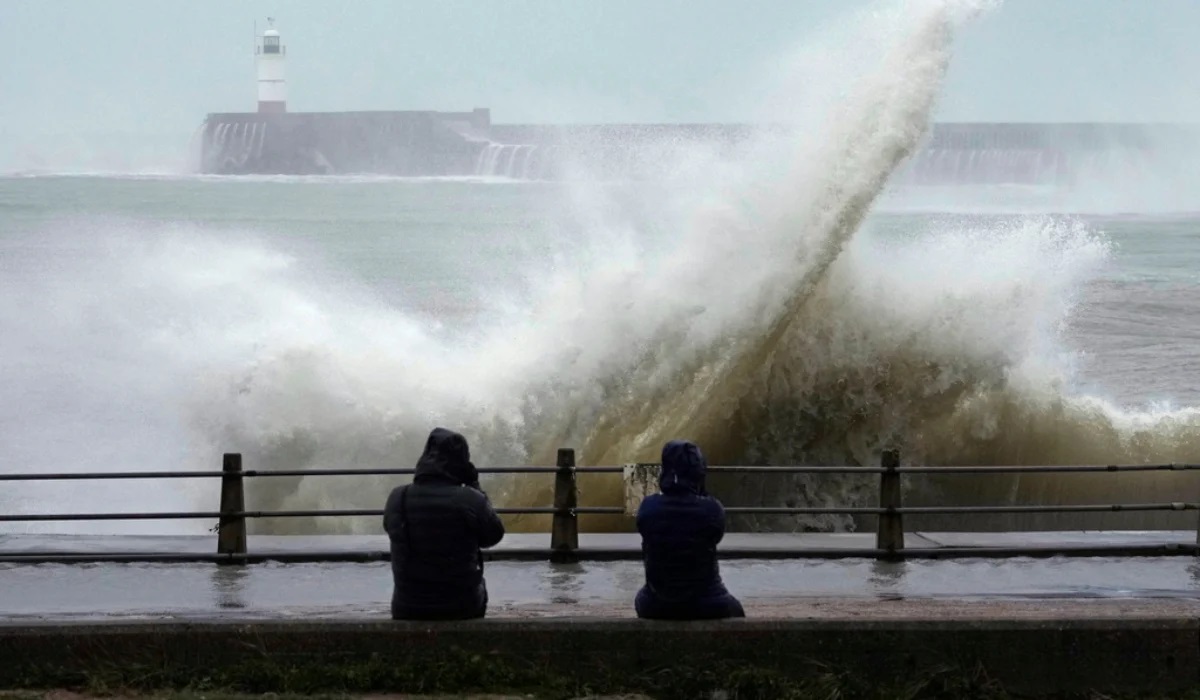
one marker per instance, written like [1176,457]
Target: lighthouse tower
[272,91]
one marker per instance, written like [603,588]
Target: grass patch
[190,695]
[457,673]
[244,667]
[739,687]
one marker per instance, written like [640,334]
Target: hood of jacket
[683,468]
[446,458]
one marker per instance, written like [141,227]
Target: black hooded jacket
[437,526]
[680,529]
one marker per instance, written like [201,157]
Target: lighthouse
[270,52]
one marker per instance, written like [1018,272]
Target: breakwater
[326,143]
[463,144]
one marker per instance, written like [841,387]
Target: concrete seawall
[429,143]
[324,143]
[1027,647]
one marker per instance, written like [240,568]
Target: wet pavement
[779,588]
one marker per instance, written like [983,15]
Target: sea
[153,322]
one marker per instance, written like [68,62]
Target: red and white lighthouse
[270,52]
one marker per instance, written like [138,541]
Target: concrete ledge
[1022,655]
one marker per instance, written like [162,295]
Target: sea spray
[755,338]
[711,317]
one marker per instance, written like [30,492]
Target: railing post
[564,532]
[1197,552]
[889,535]
[231,529]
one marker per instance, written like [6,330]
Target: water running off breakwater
[756,320]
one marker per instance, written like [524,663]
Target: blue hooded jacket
[680,529]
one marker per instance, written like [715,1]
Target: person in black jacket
[680,529]
[437,526]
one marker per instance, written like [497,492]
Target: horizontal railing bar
[793,470]
[616,554]
[800,469]
[769,510]
[408,471]
[42,517]
[251,514]
[88,476]
[1115,507]
[1061,469]
[1066,468]
[254,473]
[617,510]
[251,473]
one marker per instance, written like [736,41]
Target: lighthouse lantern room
[270,52]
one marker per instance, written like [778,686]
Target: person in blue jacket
[680,529]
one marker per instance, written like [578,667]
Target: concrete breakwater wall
[327,143]
[460,144]
[755,658]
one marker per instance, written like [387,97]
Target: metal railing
[565,511]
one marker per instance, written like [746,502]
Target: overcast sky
[73,66]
